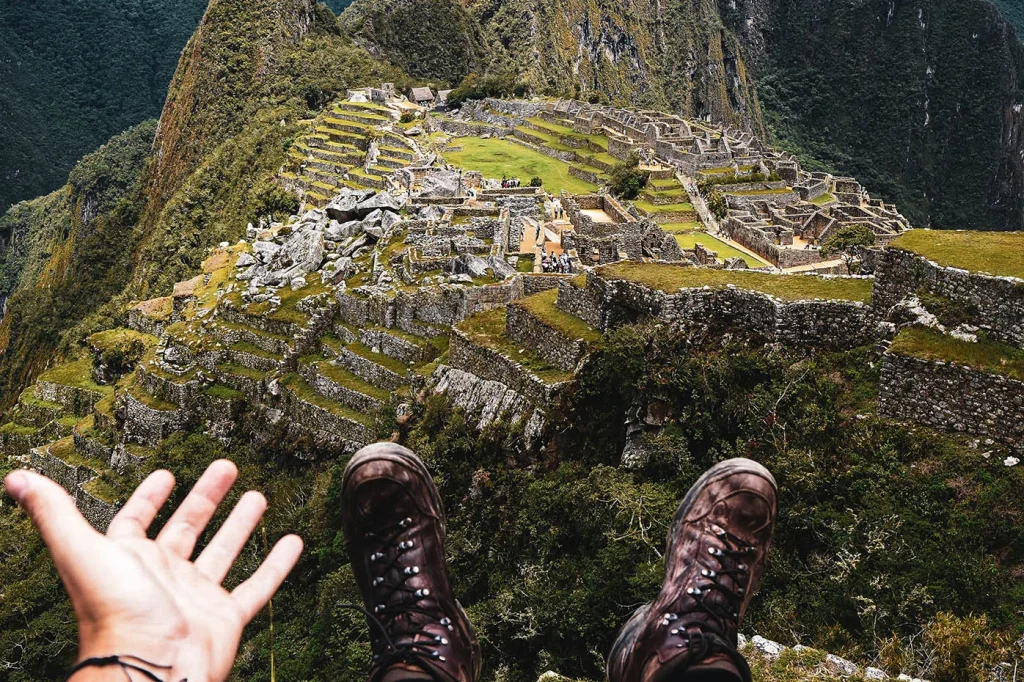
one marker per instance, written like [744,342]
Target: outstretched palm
[145,598]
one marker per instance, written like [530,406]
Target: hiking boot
[714,562]
[395,532]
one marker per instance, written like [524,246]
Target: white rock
[298,283]
[1011,462]
[875,674]
[767,647]
[245,260]
[840,665]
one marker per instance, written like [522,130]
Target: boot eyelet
[378,581]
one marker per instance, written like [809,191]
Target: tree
[627,178]
[847,243]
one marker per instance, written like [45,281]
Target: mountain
[74,73]
[918,99]
[1013,10]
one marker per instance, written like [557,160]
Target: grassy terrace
[994,253]
[565,131]
[543,307]
[303,391]
[240,371]
[488,329]
[151,401]
[825,198]
[671,278]
[77,374]
[121,338]
[691,239]
[343,377]
[386,361]
[496,158]
[648,207]
[988,356]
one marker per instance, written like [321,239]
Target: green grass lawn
[672,278]
[995,253]
[989,356]
[724,250]
[679,228]
[496,158]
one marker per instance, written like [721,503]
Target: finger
[65,531]
[254,593]
[142,507]
[216,560]
[182,531]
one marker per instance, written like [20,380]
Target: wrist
[156,653]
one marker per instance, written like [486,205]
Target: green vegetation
[687,240]
[77,374]
[880,100]
[488,329]
[449,54]
[672,278]
[847,243]
[303,391]
[497,158]
[992,253]
[986,355]
[824,199]
[345,378]
[627,178]
[543,307]
[73,78]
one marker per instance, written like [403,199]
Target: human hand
[145,598]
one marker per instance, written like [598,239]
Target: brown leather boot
[395,531]
[715,559]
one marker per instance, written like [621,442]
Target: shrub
[717,204]
[536,182]
[627,178]
[408,116]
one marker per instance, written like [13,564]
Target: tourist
[145,607]
[545,264]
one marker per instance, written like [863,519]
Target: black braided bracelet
[124,662]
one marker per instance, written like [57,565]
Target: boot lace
[702,635]
[403,635]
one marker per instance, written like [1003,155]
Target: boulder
[468,264]
[298,283]
[382,201]
[303,250]
[337,232]
[501,269]
[245,260]
[265,251]
[430,213]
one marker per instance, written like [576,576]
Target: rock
[840,666]
[389,220]
[468,264]
[415,131]
[245,260]
[767,647]
[303,251]
[460,279]
[382,201]
[298,283]
[736,264]
[337,232]
[875,674]
[501,269]
[1011,462]
[350,247]
[430,213]
[264,251]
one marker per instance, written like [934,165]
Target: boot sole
[720,470]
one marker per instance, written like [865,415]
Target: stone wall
[369,371]
[531,332]
[816,324]
[331,389]
[391,345]
[488,401]
[999,301]
[490,365]
[950,396]
[149,426]
[77,401]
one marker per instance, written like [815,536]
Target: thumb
[65,531]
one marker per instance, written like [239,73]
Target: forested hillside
[1013,10]
[73,73]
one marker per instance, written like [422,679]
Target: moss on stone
[77,374]
[488,330]
[304,392]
